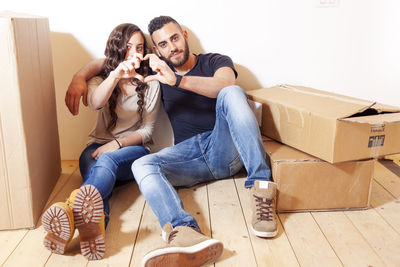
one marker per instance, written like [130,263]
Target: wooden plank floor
[339,238]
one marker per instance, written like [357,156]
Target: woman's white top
[128,117]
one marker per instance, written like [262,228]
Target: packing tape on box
[377,139]
[375,152]
[376,143]
[336,97]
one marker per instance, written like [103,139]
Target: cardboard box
[308,183]
[29,145]
[332,127]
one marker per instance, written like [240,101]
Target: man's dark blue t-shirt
[191,113]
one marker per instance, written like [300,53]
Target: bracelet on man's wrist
[178,79]
[119,144]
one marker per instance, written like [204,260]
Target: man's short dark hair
[158,22]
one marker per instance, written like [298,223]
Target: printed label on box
[376,140]
[377,128]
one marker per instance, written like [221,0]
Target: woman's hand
[108,147]
[127,69]
[122,73]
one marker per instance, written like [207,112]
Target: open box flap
[320,103]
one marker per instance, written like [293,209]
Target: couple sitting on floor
[215,135]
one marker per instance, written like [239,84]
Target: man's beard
[181,62]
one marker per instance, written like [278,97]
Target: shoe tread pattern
[57,225]
[203,257]
[88,211]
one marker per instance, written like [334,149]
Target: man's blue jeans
[108,168]
[235,141]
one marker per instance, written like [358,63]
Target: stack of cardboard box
[327,145]
[29,145]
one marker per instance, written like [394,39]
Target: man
[215,134]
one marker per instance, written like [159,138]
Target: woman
[127,108]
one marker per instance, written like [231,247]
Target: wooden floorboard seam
[50,201]
[383,217]
[290,243]
[20,241]
[326,238]
[385,189]
[365,239]
[137,234]
[244,216]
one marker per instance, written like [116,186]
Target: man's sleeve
[218,61]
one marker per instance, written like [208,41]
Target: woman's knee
[85,156]
[105,161]
[85,163]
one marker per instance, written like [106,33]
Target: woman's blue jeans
[235,141]
[108,168]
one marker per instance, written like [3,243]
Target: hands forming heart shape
[127,68]
[164,74]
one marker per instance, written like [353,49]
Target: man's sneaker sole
[56,222]
[88,211]
[201,254]
[264,234]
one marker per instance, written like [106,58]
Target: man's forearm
[209,86]
[91,69]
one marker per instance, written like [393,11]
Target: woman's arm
[130,140]
[100,96]
[144,133]
[125,70]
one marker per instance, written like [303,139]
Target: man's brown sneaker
[58,221]
[263,222]
[185,247]
[89,220]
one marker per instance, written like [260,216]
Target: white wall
[353,48]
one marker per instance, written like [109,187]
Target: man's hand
[108,147]
[164,73]
[76,89]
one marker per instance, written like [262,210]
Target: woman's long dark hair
[115,53]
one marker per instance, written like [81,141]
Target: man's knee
[142,167]
[231,91]
[137,165]
[231,95]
